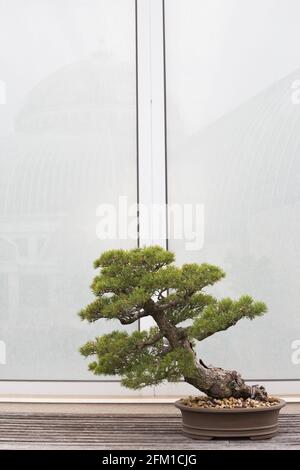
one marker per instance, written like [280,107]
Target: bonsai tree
[144,282]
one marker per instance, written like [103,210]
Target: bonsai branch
[151,341]
[131,316]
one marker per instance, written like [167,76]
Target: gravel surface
[207,402]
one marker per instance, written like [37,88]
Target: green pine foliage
[132,284]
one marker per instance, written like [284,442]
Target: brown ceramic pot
[207,423]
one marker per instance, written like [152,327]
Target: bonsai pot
[208,423]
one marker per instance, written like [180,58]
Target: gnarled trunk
[214,381]
[220,383]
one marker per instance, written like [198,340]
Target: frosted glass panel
[67,145]
[233,108]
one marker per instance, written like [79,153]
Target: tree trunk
[220,383]
[213,381]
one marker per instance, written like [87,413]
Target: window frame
[152,188]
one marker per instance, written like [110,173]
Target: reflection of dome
[47,182]
[73,99]
[74,127]
[246,162]
[73,149]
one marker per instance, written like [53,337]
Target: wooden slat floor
[112,432]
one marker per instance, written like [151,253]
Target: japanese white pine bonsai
[144,282]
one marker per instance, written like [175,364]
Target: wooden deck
[112,432]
